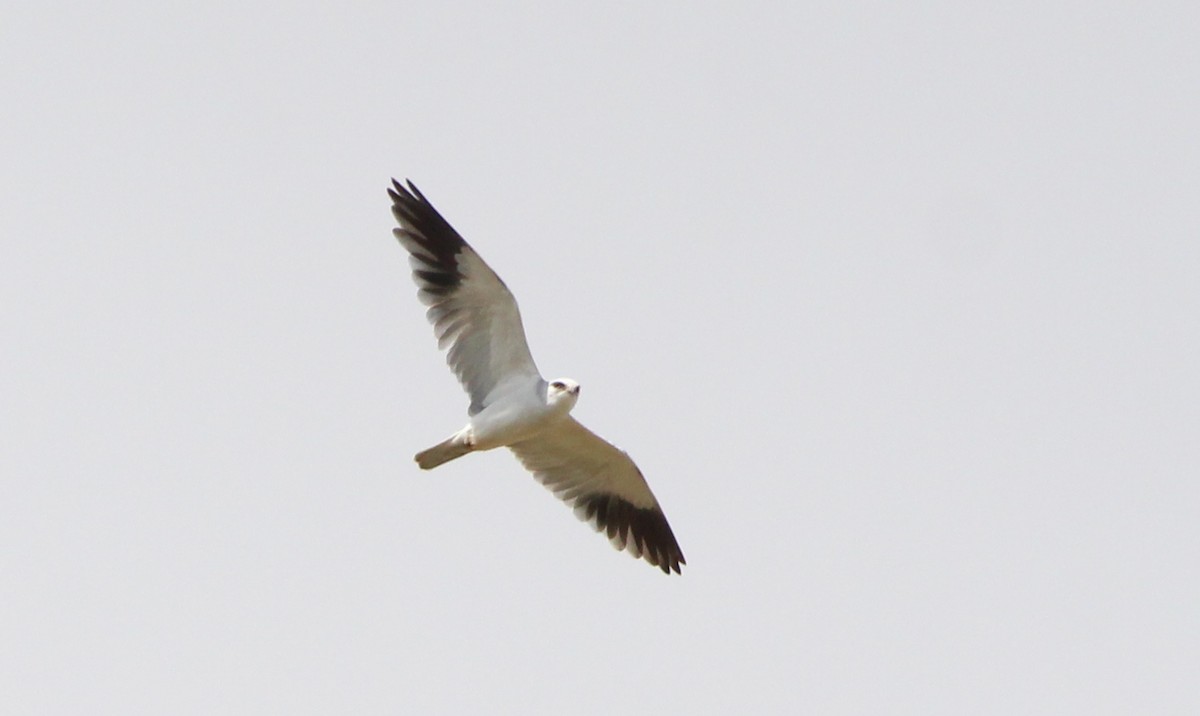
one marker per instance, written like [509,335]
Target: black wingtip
[644,531]
[415,191]
[398,191]
[408,190]
[417,216]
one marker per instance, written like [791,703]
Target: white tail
[445,451]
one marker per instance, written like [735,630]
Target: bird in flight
[512,405]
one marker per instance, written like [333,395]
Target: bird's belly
[497,425]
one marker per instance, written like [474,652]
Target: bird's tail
[454,446]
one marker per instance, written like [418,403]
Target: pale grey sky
[896,306]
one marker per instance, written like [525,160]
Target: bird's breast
[511,421]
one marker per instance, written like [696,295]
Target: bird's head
[562,393]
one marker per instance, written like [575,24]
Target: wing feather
[604,487]
[472,311]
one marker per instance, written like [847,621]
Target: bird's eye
[559,385]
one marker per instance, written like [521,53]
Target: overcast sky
[896,307]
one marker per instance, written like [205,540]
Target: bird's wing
[471,309]
[605,487]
